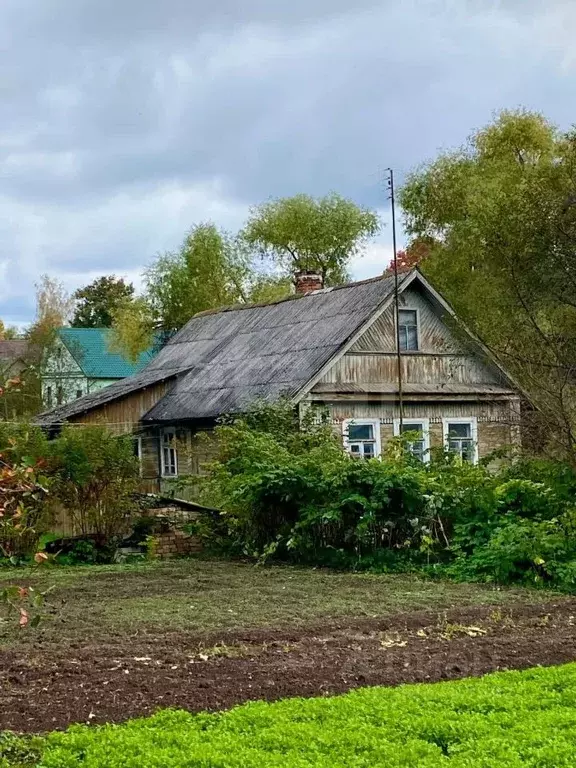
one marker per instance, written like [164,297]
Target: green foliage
[302,233]
[518,719]
[82,552]
[8,332]
[22,499]
[500,216]
[90,471]
[287,490]
[97,476]
[19,751]
[133,328]
[97,302]
[208,271]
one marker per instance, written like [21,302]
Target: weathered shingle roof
[261,352]
[222,360]
[90,349]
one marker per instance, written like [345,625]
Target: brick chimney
[306,282]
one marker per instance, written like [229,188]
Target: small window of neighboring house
[419,448]
[49,397]
[59,395]
[460,437]
[408,327]
[362,438]
[169,457]
[79,393]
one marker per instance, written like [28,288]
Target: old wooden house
[339,347]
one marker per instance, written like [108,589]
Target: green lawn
[207,595]
[513,719]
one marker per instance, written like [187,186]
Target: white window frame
[172,446]
[473,421]
[425,433]
[375,423]
[138,442]
[410,309]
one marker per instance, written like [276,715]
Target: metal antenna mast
[390,182]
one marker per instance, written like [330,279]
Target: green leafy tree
[501,219]
[302,233]
[265,288]
[97,302]
[210,270]
[8,332]
[133,329]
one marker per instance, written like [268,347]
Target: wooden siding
[497,421]
[490,411]
[123,415]
[434,334]
[441,359]
[416,369]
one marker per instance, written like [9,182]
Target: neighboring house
[335,347]
[14,358]
[80,362]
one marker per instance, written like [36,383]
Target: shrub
[289,491]
[96,479]
[22,494]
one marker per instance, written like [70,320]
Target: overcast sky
[123,122]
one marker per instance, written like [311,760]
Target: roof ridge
[295,296]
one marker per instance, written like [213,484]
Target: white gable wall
[62,378]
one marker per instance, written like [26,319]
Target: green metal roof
[89,347]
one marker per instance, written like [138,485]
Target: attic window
[362,438]
[408,328]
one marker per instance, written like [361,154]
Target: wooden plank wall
[122,416]
[434,333]
[416,369]
[498,421]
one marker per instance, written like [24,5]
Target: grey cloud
[107,108]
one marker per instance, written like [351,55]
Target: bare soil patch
[128,674]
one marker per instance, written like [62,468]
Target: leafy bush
[517,719]
[289,491]
[22,493]
[96,479]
